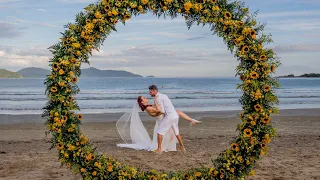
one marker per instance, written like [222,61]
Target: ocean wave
[31,98]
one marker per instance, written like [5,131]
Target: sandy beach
[294,154]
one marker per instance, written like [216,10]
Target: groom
[170,119]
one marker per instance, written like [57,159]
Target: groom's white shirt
[167,106]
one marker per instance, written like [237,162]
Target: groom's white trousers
[167,123]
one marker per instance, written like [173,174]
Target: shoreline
[113,117]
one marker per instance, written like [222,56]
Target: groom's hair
[153,87]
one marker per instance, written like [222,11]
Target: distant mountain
[149,76]
[94,72]
[33,72]
[311,75]
[8,74]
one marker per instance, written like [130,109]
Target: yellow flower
[61,84]
[215,8]
[71,73]
[109,13]
[227,15]
[61,72]
[56,119]
[263,146]
[267,88]
[94,173]
[263,57]
[257,107]
[253,34]
[74,80]
[254,75]
[235,147]
[266,120]
[253,57]
[133,5]
[273,68]
[198,174]
[232,170]
[53,89]
[144,2]
[98,15]
[164,8]
[64,118]
[163,175]
[252,173]
[79,116]
[55,66]
[60,146]
[78,53]
[114,12]
[140,8]
[106,8]
[187,6]
[247,132]
[82,170]
[68,164]
[244,49]
[110,168]
[253,123]
[76,45]
[179,10]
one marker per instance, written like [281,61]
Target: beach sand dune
[294,154]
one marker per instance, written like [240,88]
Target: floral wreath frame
[241,33]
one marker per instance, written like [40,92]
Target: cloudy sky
[162,47]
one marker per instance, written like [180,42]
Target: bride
[135,135]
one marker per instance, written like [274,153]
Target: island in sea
[34,72]
[9,74]
[306,75]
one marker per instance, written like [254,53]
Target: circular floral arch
[230,21]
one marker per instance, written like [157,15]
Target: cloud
[196,38]
[295,25]
[6,1]
[77,1]
[289,14]
[170,34]
[138,39]
[297,48]
[43,10]
[19,21]
[154,55]
[15,59]
[9,30]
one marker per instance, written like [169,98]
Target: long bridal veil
[135,136]
[132,131]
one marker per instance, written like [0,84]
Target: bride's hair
[143,107]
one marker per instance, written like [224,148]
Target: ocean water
[105,95]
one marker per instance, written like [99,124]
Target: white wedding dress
[135,135]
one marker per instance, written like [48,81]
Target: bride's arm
[154,110]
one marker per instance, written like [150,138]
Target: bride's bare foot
[158,151]
[181,148]
[193,122]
